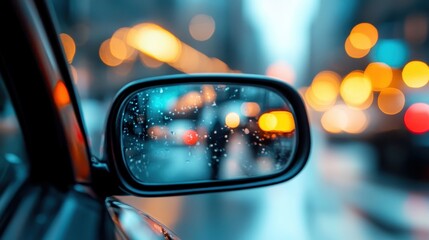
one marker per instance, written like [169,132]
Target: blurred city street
[360,66]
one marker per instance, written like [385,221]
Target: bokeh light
[335,119]
[341,118]
[155,41]
[415,74]
[355,89]
[416,118]
[202,27]
[285,121]
[393,52]
[232,120]
[281,70]
[325,88]
[367,103]
[190,137]
[363,36]
[391,101]
[69,46]
[119,47]
[267,122]
[250,109]
[209,94]
[106,55]
[354,52]
[357,121]
[61,94]
[380,74]
[149,62]
[416,28]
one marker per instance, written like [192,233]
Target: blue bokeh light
[393,52]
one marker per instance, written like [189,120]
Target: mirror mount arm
[104,182]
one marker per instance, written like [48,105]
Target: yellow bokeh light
[69,46]
[155,41]
[366,104]
[415,74]
[232,120]
[201,27]
[354,52]
[325,88]
[285,121]
[355,89]
[369,38]
[380,74]
[267,122]
[106,56]
[250,109]
[391,101]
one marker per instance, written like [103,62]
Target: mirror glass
[201,132]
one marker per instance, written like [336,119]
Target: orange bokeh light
[391,101]
[363,36]
[106,55]
[61,94]
[69,46]
[380,74]
[354,52]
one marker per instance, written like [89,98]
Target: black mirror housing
[124,159]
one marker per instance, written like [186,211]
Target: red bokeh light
[416,118]
[190,137]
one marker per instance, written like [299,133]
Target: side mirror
[185,134]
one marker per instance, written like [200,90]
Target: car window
[13,163]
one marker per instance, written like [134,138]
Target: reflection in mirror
[199,132]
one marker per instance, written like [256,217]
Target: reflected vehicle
[158,139]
